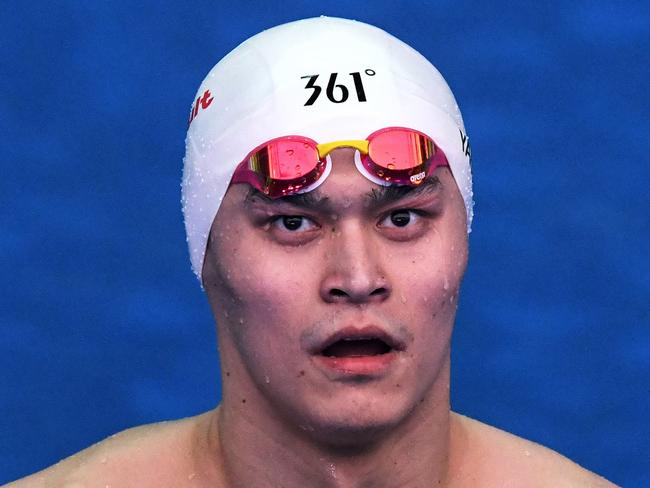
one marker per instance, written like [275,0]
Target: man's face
[335,308]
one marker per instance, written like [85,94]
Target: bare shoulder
[482,455]
[158,453]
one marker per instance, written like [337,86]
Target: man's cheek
[431,306]
[268,306]
[270,352]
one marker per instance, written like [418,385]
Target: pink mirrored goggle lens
[285,159]
[282,166]
[400,149]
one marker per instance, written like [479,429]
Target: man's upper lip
[353,333]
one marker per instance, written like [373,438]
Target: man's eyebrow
[312,200]
[377,197]
[388,194]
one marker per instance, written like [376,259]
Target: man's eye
[400,218]
[293,223]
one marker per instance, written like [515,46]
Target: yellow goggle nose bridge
[325,149]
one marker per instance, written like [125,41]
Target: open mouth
[351,342]
[355,353]
[356,347]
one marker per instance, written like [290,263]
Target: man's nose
[354,269]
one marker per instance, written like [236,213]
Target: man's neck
[257,449]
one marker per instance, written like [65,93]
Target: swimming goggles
[295,164]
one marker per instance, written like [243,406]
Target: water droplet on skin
[332,469]
[527,453]
[267,380]
[290,152]
[445,285]
[391,166]
[191,476]
[103,460]
[403,298]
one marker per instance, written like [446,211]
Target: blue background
[103,325]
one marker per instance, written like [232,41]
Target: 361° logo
[336,92]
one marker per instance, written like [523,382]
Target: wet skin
[283,276]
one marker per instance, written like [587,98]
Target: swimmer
[327,196]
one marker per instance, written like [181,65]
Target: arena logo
[418,177]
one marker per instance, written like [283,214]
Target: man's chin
[351,438]
[352,429]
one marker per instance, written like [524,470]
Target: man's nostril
[337,293]
[379,291]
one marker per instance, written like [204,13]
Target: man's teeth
[357,348]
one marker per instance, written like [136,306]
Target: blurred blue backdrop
[103,325]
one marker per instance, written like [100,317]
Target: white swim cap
[268,87]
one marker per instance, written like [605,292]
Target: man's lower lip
[359,365]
